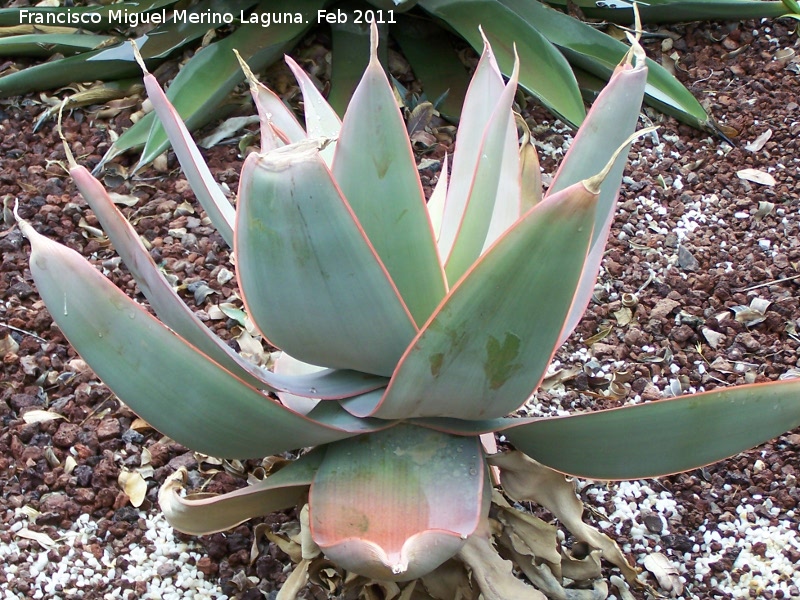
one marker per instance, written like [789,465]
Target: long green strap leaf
[544,72]
[375,168]
[167,382]
[599,54]
[434,62]
[91,18]
[174,313]
[662,437]
[489,344]
[311,280]
[205,188]
[678,11]
[42,45]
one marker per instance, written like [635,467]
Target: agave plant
[409,332]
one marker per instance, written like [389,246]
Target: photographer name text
[209,17]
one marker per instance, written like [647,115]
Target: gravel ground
[693,242]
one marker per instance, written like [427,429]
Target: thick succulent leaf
[544,73]
[658,438]
[321,120]
[608,125]
[205,188]
[598,53]
[493,199]
[376,171]
[530,173]
[396,504]
[480,102]
[10,17]
[310,278]
[363,405]
[170,384]
[168,306]
[488,345]
[679,11]
[276,119]
[351,45]
[434,61]
[42,45]
[211,74]
[437,200]
[203,514]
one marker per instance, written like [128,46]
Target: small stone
[653,523]
[66,435]
[206,566]
[663,308]
[20,401]
[781,261]
[650,393]
[686,260]
[108,429]
[682,334]
[748,341]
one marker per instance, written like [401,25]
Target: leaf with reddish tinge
[397,504]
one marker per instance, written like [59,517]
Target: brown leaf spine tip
[636,48]
[23,225]
[593,183]
[373,42]
[67,151]
[138,56]
[248,73]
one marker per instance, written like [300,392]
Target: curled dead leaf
[134,486]
[8,345]
[525,479]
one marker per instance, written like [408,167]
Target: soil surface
[694,244]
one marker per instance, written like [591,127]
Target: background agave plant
[562,56]
[409,330]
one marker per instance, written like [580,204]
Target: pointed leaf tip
[373,42]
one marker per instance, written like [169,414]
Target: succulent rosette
[408,328]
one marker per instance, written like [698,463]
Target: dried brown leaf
[756,176]
[623,316]
[41,416]
[8,345]
[449,580]
[44,540]
[134,486]
[665,572]
[492,573]
[525,479]
[758,143]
